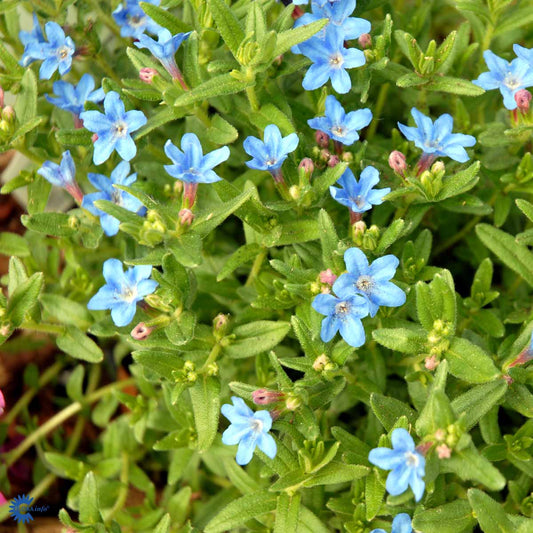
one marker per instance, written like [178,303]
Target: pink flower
[2,403]
[443,451]
[327,276]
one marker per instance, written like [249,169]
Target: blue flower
[248,430]
[133,21]
[436,138]
[371,281]
[61,175]
[400,524]
[340,126]
[33,43]
[525,54]
[343,315]
[190,164]
[123,290]
[407,464]
[330,61]
[270,153]
[508,77]
[72,98]
[359,196]
[164,48]
[119,176]
[113,128]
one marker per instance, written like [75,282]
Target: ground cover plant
[293,288]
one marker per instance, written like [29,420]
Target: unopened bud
[431,362]
[220,322]
[294,191]
[320,362]
[73,222]
[212,369]
[266,397]
[306,166]
[325,154]
[397,162]
[178,187]
[327,276]
[522,99]
[1,98]
[347,157]
[186,217]
[333,161]
[2,403]
[8,114]
[443,451]
[147,74]
[438,167]
[359,227]
[440,434]
[293,403]
[141,331]
[365,41]
[322,139]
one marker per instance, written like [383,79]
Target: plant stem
[123,491]
[252,98]
[256,267]
[380,104]
[45,328]
[212,357]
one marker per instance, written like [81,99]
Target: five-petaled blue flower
[190,164]
[133,21]
[360,195]
[164,48]
[400,524]
[509,78]
[340,126]
[113,128]
[436,138]
[73,97]
[119,176]
[123,290]
[406,463]
[270,153]
[57,52]
[61,175]
[343,315]
[330,60]
[248,430]
[371,281]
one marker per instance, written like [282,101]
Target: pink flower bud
[365,41]
[443,451]
[397,162]
[431,362]
[186,217]
[147,74]
[2,499]
[327,276]
[424,447]
[306,165]
[322,139]
[265,397]
[94,138]
[522,99]
[141,331]
[220,321]
[333,161]
[1,98]
[2,403]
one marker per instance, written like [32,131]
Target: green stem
[44,328]
[380,104]
[212,357]
[256,267]
[123,491]
[252,98]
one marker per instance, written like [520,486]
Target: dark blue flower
[190,164]
[509,78]
[330,60]
[270,153]
[114,128]
[33,43]
[340,126]
[371,281]
[436,138]
[133,21]
[123,290]
[360,195]
[406,463]
[73,97]
[248,430]
[119,176]
[400,524]
[164,48]
[343,315]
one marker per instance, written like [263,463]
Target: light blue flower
[407,465]
[340,126]
[400,524]
[524,53]
[436,138]
[270,153]
[330,61]
[119,176]
[133,21]
[114,128]
[62,175]
[33,43]
[343,315]
[73,97]
[360,195]
[509,78]
[371,281]
[123,290]
[248,430]
[190,164]
[164,48]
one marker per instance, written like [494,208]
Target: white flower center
[116,197]
[364,283]
[257,425]
[511,82]
[63,52]
[342,309]
[136,21]
[121,129]
[336,60]
[340,131]
[359,201]
[129,294]
[270,162]
[411,459]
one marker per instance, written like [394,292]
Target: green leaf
[165,18]
[66,311]
[65,467]
[56,224]
[469,362]
[404,340]
[256,337]
[374,493]
[221,131]
[24,299]
[181,330]
[26,104]
[227,24]
[454,517]
[79,137]
[489,513]
[160,362]
[205,398]
[334,473]
[288,39]
[119,212]
[9,61]
[241,510]
[322,183]
[388,410]
[13,244]
[75,343]
[89,505]
[516,256]
[287,510]
[520,399]
[166,115]
[526,208]
[390,236]
[75,384]
[296,231]
[447,84]
[241,256]
[460,183]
